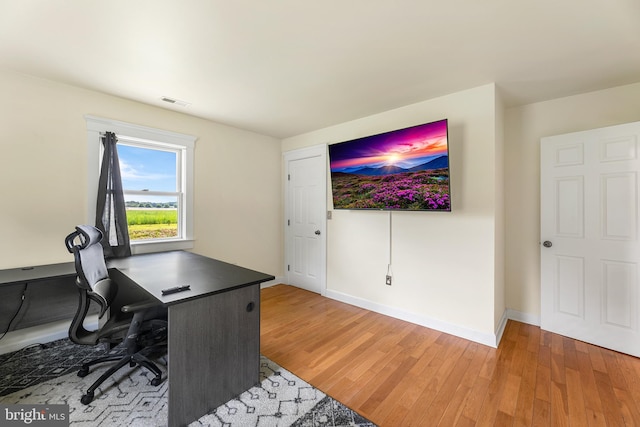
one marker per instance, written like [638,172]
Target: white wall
[523,129]
[444,264]
[43,170]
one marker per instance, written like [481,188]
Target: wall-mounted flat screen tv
[404,169]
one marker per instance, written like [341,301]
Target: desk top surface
[163,270]
[36,273]
[155,272]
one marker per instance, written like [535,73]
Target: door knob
[547,244]
[317,232]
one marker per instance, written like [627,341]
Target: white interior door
[305,206]
[589,236]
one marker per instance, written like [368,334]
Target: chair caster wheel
[86,399]
[156,381]
[83,372]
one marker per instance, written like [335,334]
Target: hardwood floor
[400,374]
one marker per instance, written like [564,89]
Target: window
[157,179]
[152,186]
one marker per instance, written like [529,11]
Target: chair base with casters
[136,359]
[136,327]
[141,338]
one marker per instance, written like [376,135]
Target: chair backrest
[93,276]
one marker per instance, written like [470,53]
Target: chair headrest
[87,235]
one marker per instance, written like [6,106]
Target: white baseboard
[523,317]
[518,316]
[278,280]
[41,334]
[501,326]
[491,340]
[449,328]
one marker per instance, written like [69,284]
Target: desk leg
[214,352]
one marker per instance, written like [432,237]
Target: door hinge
[288,177]
[288,267]
[288,222]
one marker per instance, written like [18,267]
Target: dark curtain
[111,216]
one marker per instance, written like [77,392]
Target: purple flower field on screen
[423,190]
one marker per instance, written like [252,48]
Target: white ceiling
[285,67]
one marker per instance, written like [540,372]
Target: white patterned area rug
[127,399]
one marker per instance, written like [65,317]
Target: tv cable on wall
[389,271]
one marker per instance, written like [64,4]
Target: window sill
[160,246]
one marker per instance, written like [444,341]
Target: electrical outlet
[388,280]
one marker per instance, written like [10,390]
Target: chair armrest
[140,306]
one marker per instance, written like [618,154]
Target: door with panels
[305,210]
[589,236]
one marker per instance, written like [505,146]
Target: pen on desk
[176,289]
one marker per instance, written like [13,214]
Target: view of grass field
[422,190]
[152,223]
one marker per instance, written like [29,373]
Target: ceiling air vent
[174,101]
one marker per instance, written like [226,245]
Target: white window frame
[158,137]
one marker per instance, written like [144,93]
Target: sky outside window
[147,169]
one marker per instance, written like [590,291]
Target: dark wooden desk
[214,328]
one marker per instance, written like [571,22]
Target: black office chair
[138,328]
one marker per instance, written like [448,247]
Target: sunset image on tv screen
[405,169]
